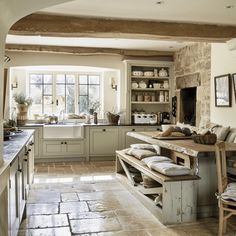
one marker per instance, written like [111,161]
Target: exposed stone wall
[192,59]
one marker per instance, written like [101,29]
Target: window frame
[88,84]
[54,74]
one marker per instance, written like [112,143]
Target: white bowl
[157,86]
[148,73]
[134,85]
[137,73]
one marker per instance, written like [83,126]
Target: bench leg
[129,176]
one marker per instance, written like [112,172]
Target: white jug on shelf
[163,72]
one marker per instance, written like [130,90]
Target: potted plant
[94,106]
[23,104]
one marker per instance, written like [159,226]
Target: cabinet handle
[26,153]
[29,150]
[25,160]
[31,143]
[104,130]
[20,170]
[65,142]
[133,129]
[62,143]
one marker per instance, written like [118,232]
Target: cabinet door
[37,140]
[38,134]
[14,210]
[53,148]
[103,141]
[126,141]
[75,148]
[29,156]
[22,182]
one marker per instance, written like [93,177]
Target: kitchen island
[200,158]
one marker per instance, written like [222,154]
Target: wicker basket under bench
[179,195]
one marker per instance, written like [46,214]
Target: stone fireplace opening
[188,103]
[188,91]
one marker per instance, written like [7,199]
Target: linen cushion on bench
[139,153]
[170,169]
[155,159]
[230,192]
[143,146]
[221,132]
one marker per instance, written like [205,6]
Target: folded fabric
[139,153]
[230,192]
[157,149]
[221,132]
[143,146]
[170,169]
[155,159]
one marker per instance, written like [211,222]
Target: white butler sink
[58,131]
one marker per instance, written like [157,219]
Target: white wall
[11,11]
[223,62]
[110,97]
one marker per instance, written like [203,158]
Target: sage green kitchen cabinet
[126,141]
[63,148]
[14,216]
[21,176]
[38,138]
[103,141]
[17,197]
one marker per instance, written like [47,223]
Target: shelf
[149,77]
[149,89]
[150,103]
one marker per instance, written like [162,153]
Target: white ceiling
[198,11]
[194,11]
[136,44]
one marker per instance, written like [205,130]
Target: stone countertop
[93,125]
[12,147]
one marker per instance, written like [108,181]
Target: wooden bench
[178,193]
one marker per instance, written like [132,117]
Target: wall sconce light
[14,84]
[7,59]
[113,84]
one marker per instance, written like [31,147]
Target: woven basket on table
[208,139]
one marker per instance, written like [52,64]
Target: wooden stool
[226,206]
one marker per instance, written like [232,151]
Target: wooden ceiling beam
[69,26]
[86,50]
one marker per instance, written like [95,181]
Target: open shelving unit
[152,98]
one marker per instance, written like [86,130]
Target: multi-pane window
[40,87]
[63,92]
[89,92]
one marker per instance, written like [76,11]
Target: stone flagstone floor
[86,199]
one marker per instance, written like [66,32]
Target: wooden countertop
[186,146]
